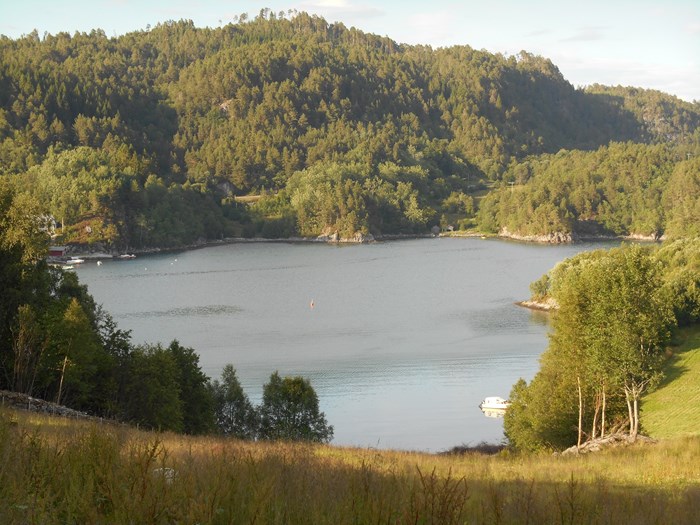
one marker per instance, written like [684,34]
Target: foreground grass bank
[59,471]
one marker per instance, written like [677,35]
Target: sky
[652,44]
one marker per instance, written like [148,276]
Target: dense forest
[151,139]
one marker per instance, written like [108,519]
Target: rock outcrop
[31,404]
[545,305]
[610,441]
[550,238]
[333,236]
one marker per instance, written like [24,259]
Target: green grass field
[674,408]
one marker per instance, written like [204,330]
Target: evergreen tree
[235,416]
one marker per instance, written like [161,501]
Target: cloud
[538,32]
[587,34]
[341,9]
[436,27]
[682,81]
[693,28]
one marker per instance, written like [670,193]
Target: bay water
[401,340]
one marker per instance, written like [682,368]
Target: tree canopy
[146,139]
[609,336]
[290,411]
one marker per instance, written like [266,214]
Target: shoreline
[538,306]
[100,252]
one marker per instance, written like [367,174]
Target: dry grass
[247,199]
[52,472]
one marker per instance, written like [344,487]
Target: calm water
[403,341]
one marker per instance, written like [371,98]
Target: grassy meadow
[61,471]
[57,470]
[673,409]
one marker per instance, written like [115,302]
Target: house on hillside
[57,252]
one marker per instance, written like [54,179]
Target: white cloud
[434,27]
[587,34]
[335,10]
[680,80]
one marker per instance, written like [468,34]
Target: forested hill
[146,139]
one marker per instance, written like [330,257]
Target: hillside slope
[144,139]
[672,410]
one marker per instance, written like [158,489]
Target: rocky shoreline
[546,305]
[101,251]
[573,237]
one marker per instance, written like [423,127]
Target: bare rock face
[328,236]
[360,238]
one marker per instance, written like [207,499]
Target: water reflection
[494,412]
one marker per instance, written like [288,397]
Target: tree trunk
[636,416]
[60,384]
[602,415]
[580,411]
[594,428]
[628,398]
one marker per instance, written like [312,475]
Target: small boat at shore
[494,403]
[127,256]
[75,260]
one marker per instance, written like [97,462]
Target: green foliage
[681,200]
[167,390]
[619,189]
[153,390]
[84,366]
[195,395]
[540,288]
[23,228]
[607,344]
[290,411]
[137,140]
[681,260]
[234,414]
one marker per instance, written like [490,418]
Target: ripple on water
[209,310]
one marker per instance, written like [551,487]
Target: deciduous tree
[290,411]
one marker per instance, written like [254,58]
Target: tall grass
[87,473]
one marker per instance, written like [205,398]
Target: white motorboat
[494,403]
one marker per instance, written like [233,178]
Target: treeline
[146,139]
[57,344]
[618,190]
[616,313]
